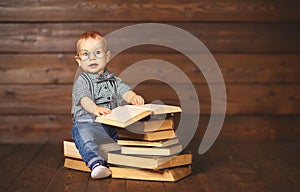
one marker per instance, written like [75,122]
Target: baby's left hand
[137,100]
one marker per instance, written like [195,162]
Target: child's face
[92,55]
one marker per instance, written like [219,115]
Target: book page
[123,113]
[161,109]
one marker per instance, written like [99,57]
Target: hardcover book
[171,175]
[152,136]
[160,143]
[70,150]
[151,125]
[160,151]
[148,162]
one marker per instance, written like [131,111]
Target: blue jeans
[88,135]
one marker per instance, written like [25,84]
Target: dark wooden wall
[256,44]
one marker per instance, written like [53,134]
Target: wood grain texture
[217,37]
[107,185]
[53,129]
[235,68]
[245,168]
[39,173]
[35,128]
[191,10]
[241,99]
[255,43]
[246,165]
[13,165]
[68,180]
[132,185]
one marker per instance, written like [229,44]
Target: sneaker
[100,172]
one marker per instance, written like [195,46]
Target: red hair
[87,35]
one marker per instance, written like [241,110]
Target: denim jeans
[88,135]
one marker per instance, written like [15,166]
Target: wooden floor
[230,165]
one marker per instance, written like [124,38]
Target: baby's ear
[107,56]
[77,60]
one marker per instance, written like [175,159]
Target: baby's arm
[89,105]
[128,95]
[132,98]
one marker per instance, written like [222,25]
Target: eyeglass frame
[89,53]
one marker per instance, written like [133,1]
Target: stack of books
[148,148]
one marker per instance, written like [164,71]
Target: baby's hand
[137,100]
[99,111]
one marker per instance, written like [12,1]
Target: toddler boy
[95,92]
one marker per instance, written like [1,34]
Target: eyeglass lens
[85,55]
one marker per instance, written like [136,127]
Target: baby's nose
[92,56]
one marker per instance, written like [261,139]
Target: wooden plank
[261,99]
[259,175]
[262,127]
[238,173]
[190,183]
[35,129]
[241,99]
[39,173]
[31,99]
[69,180]
[275,128]
[148,186]
[235,68]
[213,173]
[15,163]
[246,165]
[109,185]
[37,68]
[154,11]
[259,68]
[289,154]
[260,166]
[218,37]
[289,157]
[6,149]
[218,160]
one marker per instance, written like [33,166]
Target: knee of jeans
[91,145]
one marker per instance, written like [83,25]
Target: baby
[95,92]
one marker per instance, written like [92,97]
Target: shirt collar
[106,75]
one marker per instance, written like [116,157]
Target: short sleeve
[80,89]
[122,87]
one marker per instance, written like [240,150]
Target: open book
[126,115]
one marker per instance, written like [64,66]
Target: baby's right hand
[99,111]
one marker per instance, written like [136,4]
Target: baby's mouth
[93,65]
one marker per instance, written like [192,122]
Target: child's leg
[87,137]
[111,131]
